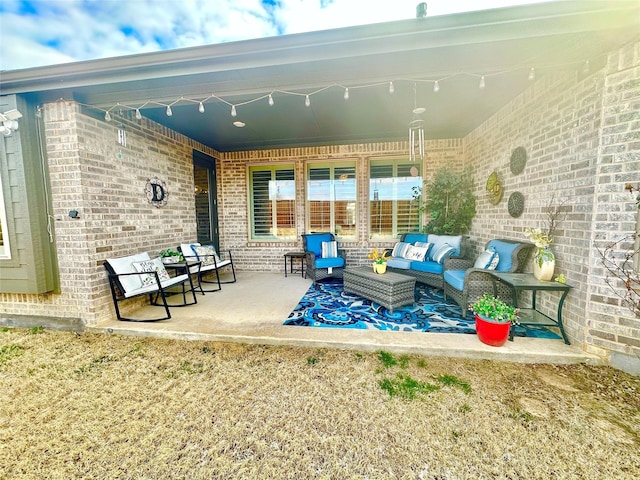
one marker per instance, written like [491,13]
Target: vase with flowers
[544,261]
[379,260]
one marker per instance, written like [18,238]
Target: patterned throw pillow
[416,253]
[443,252]
[400,249]
[149,266]
[329,249]
[426,245]
[206,254]
[487,260]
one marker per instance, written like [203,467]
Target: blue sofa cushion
[438,240]
[330,262]
[314,242]
[455,278]
[415,237]
[505,251]
[429,267]
[397,262]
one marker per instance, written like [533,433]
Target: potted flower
[379,260]
[170,256]
[493,319]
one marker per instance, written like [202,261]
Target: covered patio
[215,126]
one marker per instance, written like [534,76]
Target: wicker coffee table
[391,290]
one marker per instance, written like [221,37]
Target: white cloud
[46,32]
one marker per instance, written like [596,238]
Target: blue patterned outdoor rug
[327,305]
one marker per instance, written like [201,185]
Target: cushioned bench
[136,275]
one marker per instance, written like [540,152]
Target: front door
[206,198]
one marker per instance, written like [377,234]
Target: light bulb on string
[391,88]
[201,107]
[307,101]
[107,116]
[346,93]
[169,111]
[482,83]
[233,111]
[138,114]
[436,86]
[532,74]
[270,100]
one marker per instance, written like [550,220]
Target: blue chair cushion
[398,262]
[455,278]
[314,242]
[505,252]
[428,267]
[330,262]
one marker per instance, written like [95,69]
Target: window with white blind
[273,202]
[331,198]
[392,208]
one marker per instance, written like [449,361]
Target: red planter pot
[492,333]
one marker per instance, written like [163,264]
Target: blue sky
[47,32]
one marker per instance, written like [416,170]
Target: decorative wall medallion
[494,188]
[516,204]
[518,160]
[156,192]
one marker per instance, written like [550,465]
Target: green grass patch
[312,360]
[405,387]
[453,381]
[7,352]
[36,330]
[387,359]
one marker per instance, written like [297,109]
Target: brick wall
[582,136]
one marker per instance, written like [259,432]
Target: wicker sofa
[427,271]
[465,282]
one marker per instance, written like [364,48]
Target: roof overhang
[500,44]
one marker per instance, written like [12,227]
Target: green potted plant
[170,256]
[493,319]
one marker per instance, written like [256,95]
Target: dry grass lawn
[109,407]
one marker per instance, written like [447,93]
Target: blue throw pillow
[443,252]
[487,260]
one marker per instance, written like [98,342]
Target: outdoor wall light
[9,121]
[74,214]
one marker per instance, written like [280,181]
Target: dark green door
[206,198]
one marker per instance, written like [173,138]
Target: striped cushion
[329,249]
[443,252]
[400,249]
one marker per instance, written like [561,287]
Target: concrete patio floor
[253,310]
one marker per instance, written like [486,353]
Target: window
[392,208]
[273,202]
[331,199]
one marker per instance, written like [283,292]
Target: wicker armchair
[465,284]
[318,266]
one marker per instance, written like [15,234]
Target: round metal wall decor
[516,204]
[494,188]
[518,160]
[156,192]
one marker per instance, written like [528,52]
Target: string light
[582,66]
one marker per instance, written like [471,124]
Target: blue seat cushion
[314,242]
[335,262]
[455,278]
[428,267]
[505,252]
[399,262]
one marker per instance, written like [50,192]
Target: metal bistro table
[291,256]
[186,267]
[520,282]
